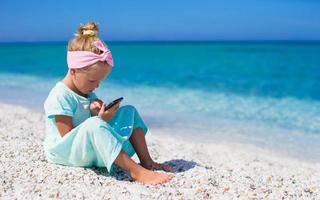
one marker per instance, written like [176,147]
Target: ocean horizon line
[176,41]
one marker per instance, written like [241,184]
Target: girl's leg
[139,173]
[138,142]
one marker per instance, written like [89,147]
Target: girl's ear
[72,71]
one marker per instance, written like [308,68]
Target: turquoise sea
[261,93]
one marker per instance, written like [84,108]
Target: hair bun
[88,29]
[89,32]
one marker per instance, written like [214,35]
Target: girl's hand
[95,107]
[108,114]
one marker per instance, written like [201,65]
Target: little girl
[82,134]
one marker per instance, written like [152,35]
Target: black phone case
[113,103]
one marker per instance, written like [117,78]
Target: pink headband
[81,59]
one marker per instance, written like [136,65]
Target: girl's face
[88,80]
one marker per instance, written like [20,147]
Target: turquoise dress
[92,141]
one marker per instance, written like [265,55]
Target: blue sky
[58,20]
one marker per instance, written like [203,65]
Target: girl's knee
[128,107]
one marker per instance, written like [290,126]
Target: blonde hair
[84,38]
[83,41]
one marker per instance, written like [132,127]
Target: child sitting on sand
[80,132]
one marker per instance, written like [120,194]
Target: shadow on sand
[180,165]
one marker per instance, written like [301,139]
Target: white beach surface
[202,170]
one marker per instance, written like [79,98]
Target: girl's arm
[64,124]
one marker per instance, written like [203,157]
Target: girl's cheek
[81,86]
[89,85]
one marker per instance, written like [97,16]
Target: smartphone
[113,103]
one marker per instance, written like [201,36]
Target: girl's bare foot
[146,176]
[139,173]
[157,166]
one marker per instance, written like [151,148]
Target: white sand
[203,171]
